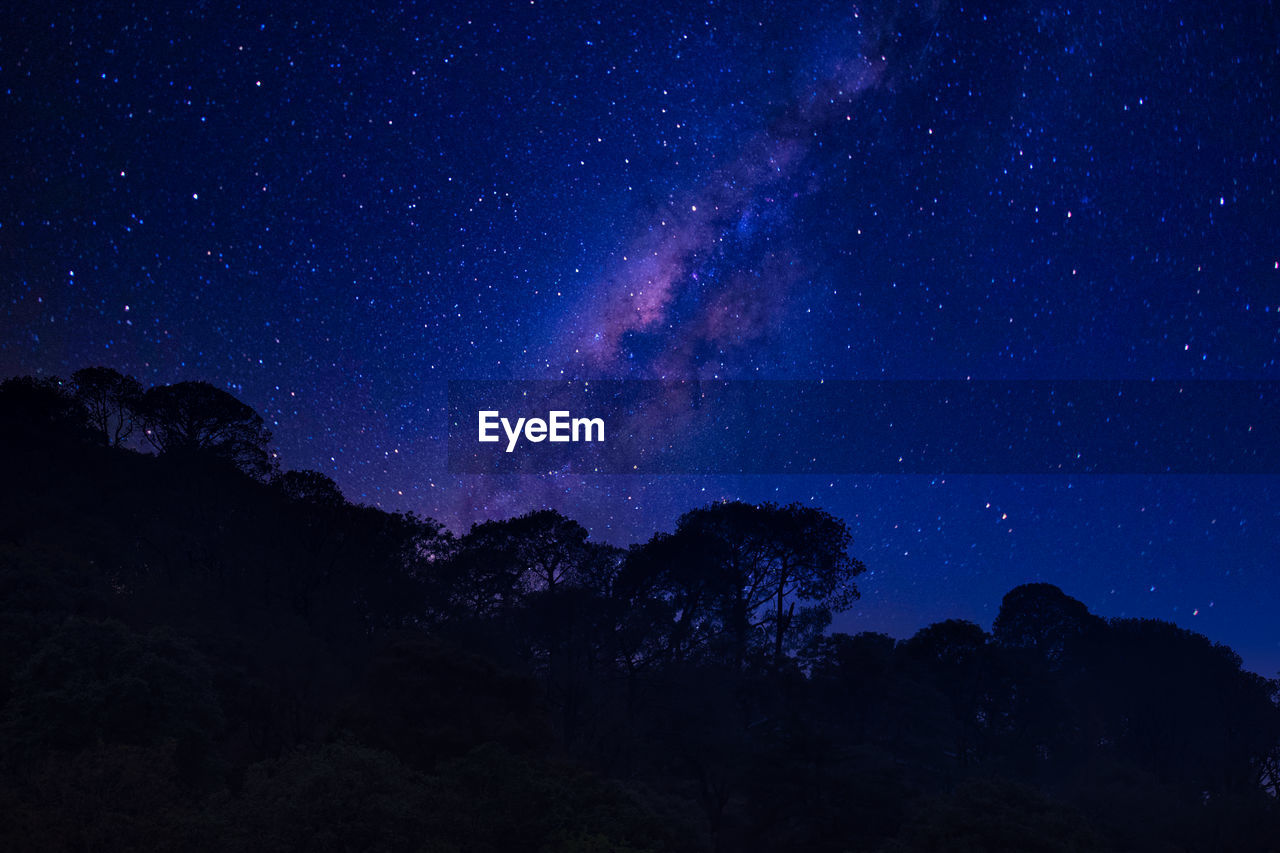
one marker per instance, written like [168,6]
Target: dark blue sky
[332,211]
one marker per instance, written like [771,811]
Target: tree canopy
[190,418]
[200,656]
[111,401]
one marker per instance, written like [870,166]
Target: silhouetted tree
[853,678]
[111,400]
[1041,618]
[310,487]
[1182,707]
[1048,640]
[539,549]
[673,591]
[192,658]
[954,657]
[196,417]
[772,558]
[497,563]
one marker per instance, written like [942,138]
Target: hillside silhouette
[199,651]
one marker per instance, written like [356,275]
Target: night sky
[331,211]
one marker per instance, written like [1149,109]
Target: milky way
[331,211]
[670,256]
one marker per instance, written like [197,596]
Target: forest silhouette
[199,651]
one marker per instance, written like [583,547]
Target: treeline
[201,652]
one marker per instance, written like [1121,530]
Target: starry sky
[332,211]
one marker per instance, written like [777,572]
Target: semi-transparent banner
[864,427]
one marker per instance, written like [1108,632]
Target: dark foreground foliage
[198,652]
